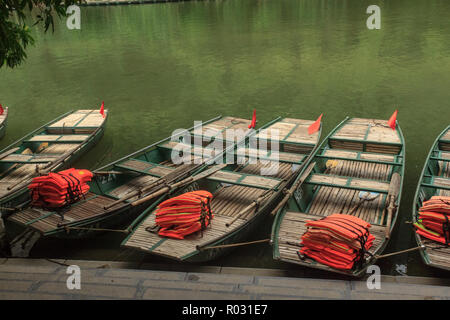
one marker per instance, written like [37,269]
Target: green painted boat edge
[414,212]
[281,213]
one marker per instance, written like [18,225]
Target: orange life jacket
[339,240]
[433,222]
[185,214]
[59,189]
[327,258]
[437,204]
[432,235]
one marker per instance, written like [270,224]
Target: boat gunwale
[434,147]
[282,211]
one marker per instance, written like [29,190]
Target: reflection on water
[160,67]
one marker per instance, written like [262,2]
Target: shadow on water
[160,67]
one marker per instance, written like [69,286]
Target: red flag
[315,126]
[252,125]
[1,110]
[392,120]
[102,109]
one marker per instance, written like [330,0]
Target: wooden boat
[118,190]
[358,155]
[52,147]
[3,122]
[434,181]
[242,196]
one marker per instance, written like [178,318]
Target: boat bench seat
[442,156]
[272,156]
[145,167]
[248,180]
[58,138]
[29,158]
[438,183]
[194,150]
[348,183]
[78,122]
[360,156]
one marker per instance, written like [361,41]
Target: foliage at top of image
[15,32]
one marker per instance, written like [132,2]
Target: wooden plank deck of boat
[219,127]
[444,166]
[225,205]
[444,143]
[360,166]
[293,227]
[233,196]
[45,221]
[439,254]
[78,122]
[227,202]
[369,135]
[292,134]
[25,164]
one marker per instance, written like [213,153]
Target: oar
[394,189]
[168,178]
[7,153]
[177,174]
[254,204]
[181,183]
[364,196]
[294,187]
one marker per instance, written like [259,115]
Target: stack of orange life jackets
[58,189]
[339,241]
[185,214]
[433,222]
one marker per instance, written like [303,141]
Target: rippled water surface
[160,67]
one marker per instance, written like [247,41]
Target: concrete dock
[44,279]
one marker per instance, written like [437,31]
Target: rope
[233,245]
[399,252]
[67,228]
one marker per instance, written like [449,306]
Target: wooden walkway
[45,280]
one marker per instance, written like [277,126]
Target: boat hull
[22,195]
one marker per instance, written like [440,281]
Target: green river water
[161,66]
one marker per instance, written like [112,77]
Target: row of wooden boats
[312,181]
